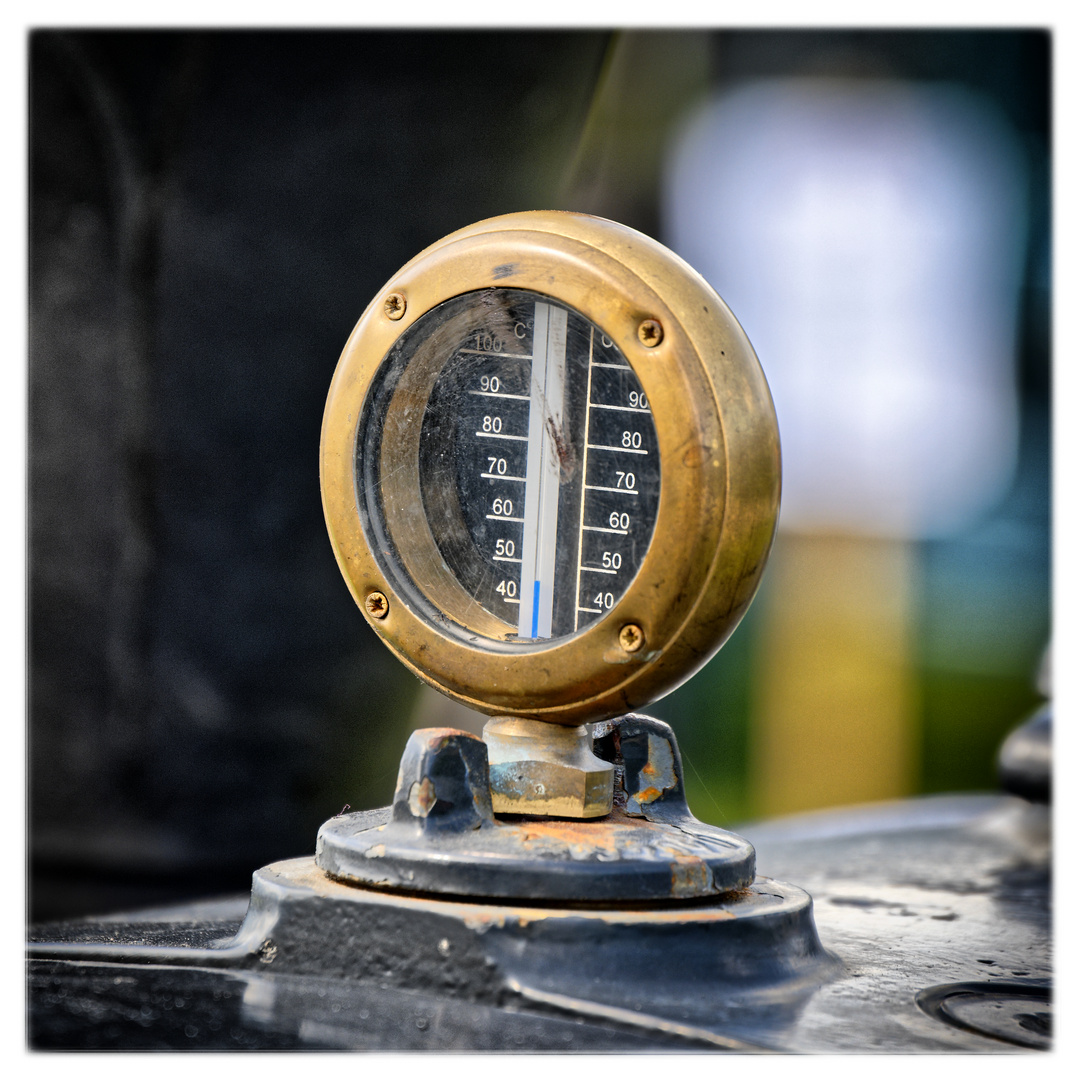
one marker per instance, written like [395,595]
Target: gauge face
[507,449]
[550,467]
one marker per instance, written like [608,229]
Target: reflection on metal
[1024,759]
[1012,1012]
[654,1024]
[539,768]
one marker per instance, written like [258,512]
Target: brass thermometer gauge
[550,467]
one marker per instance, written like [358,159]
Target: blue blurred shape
[870,236]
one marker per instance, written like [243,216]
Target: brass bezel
[719,464]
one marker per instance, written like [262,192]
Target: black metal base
[680,974]
[634,964]
[649,848]
[938,908]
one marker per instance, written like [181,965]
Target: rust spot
[482,917]
[618,836]
[659,767]
[565,452]
[690,876]
[693,457]
[584,839]
[422,797]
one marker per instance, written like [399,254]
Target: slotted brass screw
[631,637]
[394,306]
[650,333]
[378,607]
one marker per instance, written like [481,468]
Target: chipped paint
[422,797]
[658,770]
[483,919]
[690,876]
[764,895]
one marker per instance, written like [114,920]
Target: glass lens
[506,444]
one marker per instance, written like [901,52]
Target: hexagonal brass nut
[546,770]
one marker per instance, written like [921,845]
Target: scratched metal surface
[915,895]
[908,897]
[932,933]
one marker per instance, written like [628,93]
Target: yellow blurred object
[835,695]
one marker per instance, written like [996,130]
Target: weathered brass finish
[719,465]
[400,471]
[546,769]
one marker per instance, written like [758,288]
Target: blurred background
[210,212]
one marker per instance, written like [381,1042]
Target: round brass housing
[719,467]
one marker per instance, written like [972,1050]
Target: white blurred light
[870,237]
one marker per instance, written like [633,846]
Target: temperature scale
[550,468]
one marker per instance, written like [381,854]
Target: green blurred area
[711,715]
[984,630]
[980,631]
[965,719]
